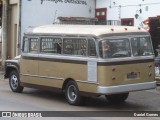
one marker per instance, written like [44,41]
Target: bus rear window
[114,48]
[141,46]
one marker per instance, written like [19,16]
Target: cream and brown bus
[84,60]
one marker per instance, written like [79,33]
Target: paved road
[38,100]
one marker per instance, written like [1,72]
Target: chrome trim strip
[126,88]
[35,55]
[80,81]
[12,61]
[29,75]
[42,76]
[65,57]
[51,77]
[127,59]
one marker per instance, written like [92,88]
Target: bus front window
[114,48]
[141,46]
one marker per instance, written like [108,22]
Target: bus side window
[68,46]
[74,46]
[34,45]
[51,45]
[58,45]
[82,43]
[91,48]
[25,45]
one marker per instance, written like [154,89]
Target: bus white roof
[96,30]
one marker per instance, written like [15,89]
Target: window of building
[75,46]
[103,13]
[127,22]
[98,13]
[51,45]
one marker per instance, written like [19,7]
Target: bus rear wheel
[72,94]
[117,98]
[14,82]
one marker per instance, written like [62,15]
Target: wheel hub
[72,94]
[14,81]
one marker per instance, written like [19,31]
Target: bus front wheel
[72,94]
[117,98]
[14,82]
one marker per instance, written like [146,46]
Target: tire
[14,82]
[117,98]
[72,94]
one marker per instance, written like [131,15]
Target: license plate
[132,75]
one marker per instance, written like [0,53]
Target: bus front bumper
[126,88]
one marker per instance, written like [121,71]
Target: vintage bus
[84,60]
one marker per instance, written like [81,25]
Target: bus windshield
[113,48]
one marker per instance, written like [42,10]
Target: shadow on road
[100,103]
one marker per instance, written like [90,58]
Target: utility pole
[4,30]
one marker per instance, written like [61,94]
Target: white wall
[102,3]
[129,8]
[40,12]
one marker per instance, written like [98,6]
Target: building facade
[129,12]
[13,28]
[25,13]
